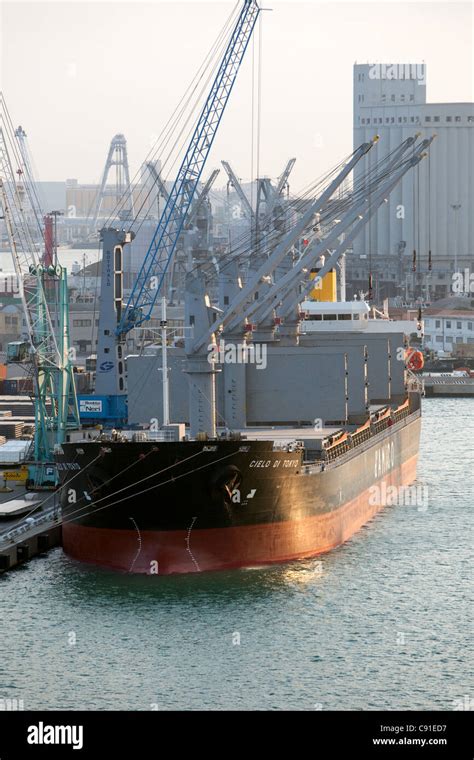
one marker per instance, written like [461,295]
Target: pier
[448,385]
[26,528]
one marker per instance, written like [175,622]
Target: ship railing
[353,440]
[361,434]
[377,427]
[381,420]
[336,451]
[360,444]
[402,411]
[343,443]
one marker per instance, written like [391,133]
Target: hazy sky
[76,73]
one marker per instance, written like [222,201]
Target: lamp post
[85,262]
[456,207]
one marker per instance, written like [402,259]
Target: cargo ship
[266,496]
[288,415]
[262,494]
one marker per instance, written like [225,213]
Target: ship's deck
[287,434]
[280,433]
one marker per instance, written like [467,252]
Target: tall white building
[432,207]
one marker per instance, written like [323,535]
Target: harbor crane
[116,320]
[45,350]
[116,157]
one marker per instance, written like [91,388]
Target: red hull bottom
[168,552]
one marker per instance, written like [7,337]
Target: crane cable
[179,111]
[375,175]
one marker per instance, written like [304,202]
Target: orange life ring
[414,360]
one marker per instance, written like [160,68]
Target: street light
[85,261]
[455,207]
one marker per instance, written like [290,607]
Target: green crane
[45,349]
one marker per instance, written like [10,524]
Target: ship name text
[277,463]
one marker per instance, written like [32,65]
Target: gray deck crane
[273,203]
[306,221]
[291,289]
[242,306]
[234,182]
[156,177]
[199,199]
[232,320]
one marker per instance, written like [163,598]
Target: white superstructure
[344,316]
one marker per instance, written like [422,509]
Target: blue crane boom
[149,281]
[109,402]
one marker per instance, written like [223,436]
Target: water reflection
[83,582]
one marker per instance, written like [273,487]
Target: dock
[26,528]
[448,386]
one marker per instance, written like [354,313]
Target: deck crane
[109,403]
[283,295]
[191,220]
[196,220]
[242,306]
[233,182]
[351,223]
[273,193]
[199,199]
[45,349]
[240,299]
[274,204]
[291,290]
[157,180]
[271,224]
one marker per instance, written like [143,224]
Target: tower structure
[120,190]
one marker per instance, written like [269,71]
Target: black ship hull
[161,508]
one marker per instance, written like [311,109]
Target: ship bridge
[330,315]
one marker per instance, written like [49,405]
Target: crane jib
[149,281]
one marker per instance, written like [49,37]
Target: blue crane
[109,403]
[160,252]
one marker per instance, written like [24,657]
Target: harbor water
[382,622]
